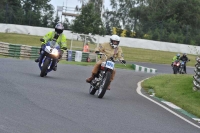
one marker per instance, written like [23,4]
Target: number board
[110,64]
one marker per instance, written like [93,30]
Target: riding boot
[109,86]
[37,60]
[55,66]
[88,80]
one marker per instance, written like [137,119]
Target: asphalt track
[60,102]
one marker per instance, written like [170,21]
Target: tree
[10,11]
[88,21]
[47,16]
[55,21]
[66,24]
[97,5]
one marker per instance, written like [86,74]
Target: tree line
[29,12]
[176,21]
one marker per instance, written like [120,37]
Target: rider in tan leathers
[111,49]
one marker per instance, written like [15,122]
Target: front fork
[45,58]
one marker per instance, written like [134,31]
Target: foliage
[176,21]
[88,21]
[26,12]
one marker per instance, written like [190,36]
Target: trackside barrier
[18,51]
[31,52]
[143,69]
[196,77]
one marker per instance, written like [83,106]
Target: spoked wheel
[104,85]
[92,91]
[44,68]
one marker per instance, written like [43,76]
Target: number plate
[110,64]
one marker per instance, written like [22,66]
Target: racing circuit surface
[60,102]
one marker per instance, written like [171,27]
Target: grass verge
[176,89]
[130,54]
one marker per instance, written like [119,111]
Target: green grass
[1,56]
[176,89]
[130,54]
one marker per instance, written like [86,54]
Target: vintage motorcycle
[49,57]
[102,79]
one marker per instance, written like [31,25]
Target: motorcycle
[102,79]
[176,65]
[181,68]
[49,57]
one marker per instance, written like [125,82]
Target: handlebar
[111,58]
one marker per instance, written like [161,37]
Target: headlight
[55,53]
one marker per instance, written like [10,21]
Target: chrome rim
[91,88]
[101,86]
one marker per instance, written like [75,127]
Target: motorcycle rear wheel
[44,68]
[104,85]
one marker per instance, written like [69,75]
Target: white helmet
[114,38]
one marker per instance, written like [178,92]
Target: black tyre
[92,91]
[104,85]
[175,69]
[182,71]
[44,68]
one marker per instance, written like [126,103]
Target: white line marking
[171,105]
[197,119]
[140,93]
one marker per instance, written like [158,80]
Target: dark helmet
[59,28]
[184,54]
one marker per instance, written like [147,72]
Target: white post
[98,41]
[71,41]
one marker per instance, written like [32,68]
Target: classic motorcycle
[176,65]
[49,57]
[102,79]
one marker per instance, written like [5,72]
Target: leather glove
[42,40]
[64,48]
[123,61]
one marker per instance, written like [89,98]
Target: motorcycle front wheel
[92,91]
[44,68]
[175,69]
[104,84]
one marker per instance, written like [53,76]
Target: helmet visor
[59,31]
[115,42]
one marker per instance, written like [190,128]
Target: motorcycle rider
[60,39]
[111,49]
[177,57]
[185,59]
